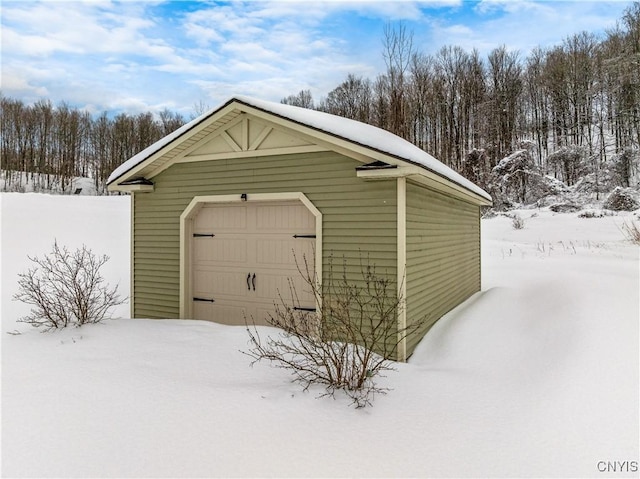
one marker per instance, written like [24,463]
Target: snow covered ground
[537,375]
[30,183]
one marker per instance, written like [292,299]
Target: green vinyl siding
[443,256]
[359,217]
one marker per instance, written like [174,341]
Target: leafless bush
[596,214]
[66,288]
[517,221]
[622,199]
[347,343]
[564,208]
[591,214]
[631,231]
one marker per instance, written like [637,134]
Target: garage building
[224,208]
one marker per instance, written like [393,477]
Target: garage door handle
[249,281]
[253,281]
[204,299]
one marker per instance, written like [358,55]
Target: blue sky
[135,56]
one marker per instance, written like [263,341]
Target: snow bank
[537,375]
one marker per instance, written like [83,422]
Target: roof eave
[419,175]
[154,154]
[343,144]
[130,188]
[382,154]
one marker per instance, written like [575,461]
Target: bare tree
[505,87]
[397,52]
[350,99]
[303,99]
[199,109]
[170,121]
[347,343]
[65,288]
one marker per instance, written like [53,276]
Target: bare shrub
[564,208]
[66,288]
[347,343]
[631,231]
[517,221]
[622,199]
[591,214]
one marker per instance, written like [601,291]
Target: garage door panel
[283,218]
[202,310]
[220,249]
[281,252]
[231,314]
[216,219]
[251,239]
[219,284]
[263,313]
[293,290]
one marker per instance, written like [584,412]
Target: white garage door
[246,256]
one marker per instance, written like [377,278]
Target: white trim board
[401,266]
[132,258]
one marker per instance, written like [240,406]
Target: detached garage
[224,208]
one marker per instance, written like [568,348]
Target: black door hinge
[296,308]
[205,300]
[202,235]
[304,236]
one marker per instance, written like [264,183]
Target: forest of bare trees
[53,144]
[573,109]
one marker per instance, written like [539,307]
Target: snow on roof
[351,130]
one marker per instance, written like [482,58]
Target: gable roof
[351,131]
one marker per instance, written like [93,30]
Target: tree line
[48,145]
[574,108]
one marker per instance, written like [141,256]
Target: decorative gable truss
[234,135]
[247,136]
[240,129]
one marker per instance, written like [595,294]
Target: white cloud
[143,54]
[461,30]
[33,45]
[315,11]
[523,24]
[203,35]
[16,83]
[46,28]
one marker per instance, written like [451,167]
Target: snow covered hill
[537,375]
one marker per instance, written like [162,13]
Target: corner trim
[131,258]
[401,266]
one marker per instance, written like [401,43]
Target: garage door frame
[186,233]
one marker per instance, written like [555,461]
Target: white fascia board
[131,188]
[388,173]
